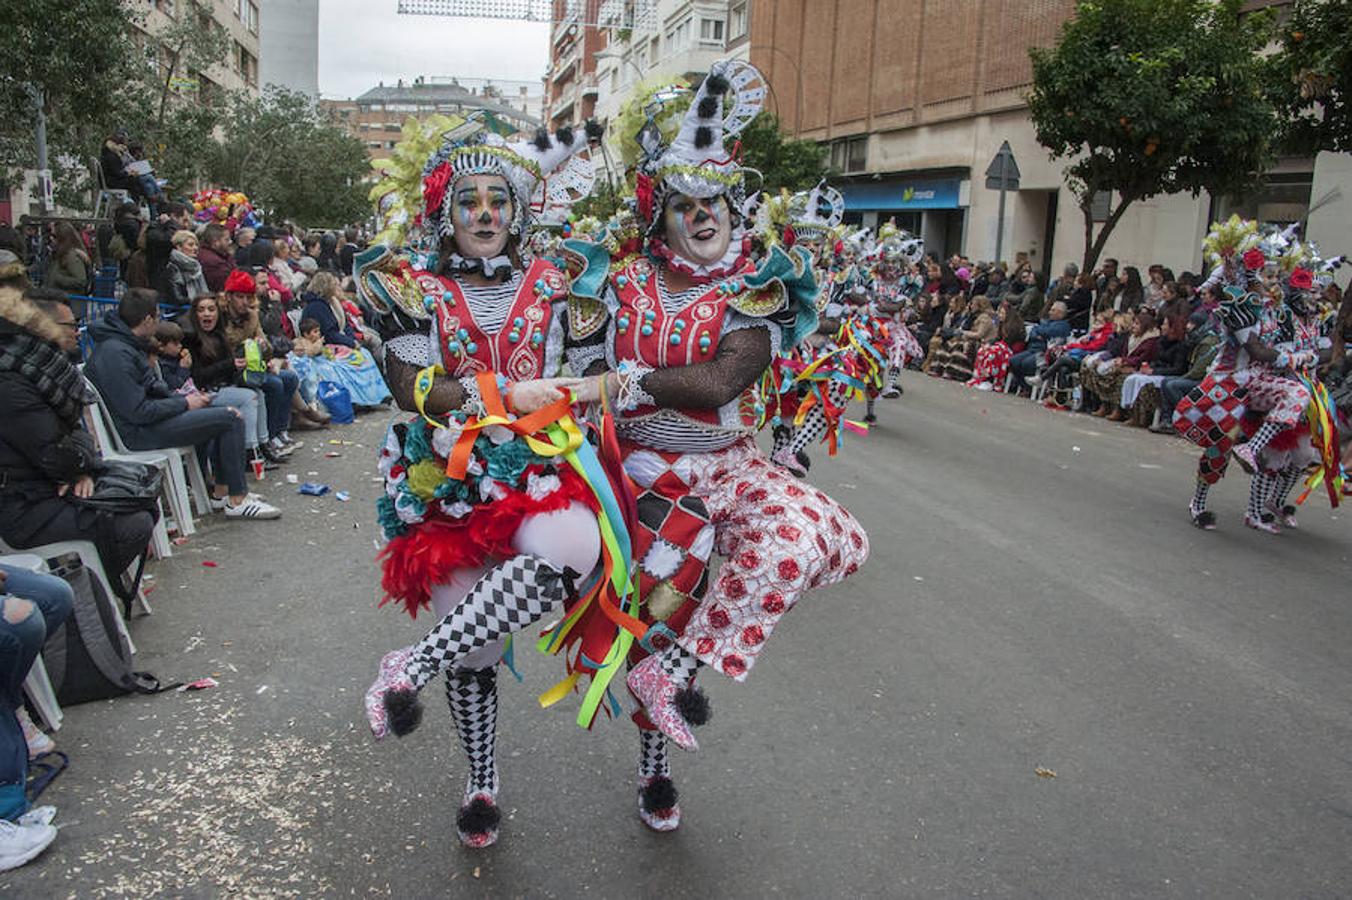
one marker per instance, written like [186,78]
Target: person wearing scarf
[47,459]
[183,275]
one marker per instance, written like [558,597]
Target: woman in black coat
[46,456]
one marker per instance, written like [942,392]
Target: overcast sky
[362,42]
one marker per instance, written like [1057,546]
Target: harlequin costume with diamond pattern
[703,484]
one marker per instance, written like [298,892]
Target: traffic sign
[1003,172]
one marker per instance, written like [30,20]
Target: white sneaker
[222,503]
[280,449]
[985,386]
[291,442]
[38,815]
[252,507]
[1034,379]
[21,843]
[38,742]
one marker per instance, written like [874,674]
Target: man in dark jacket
[149,416]
[159,238]
[215,256]
[1054,327]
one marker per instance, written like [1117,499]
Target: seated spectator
[216,370]
[1079,302]
[32,607]
[271,309]
[151,417]
[930,312]
[171,358]
[1066,364]
[1203,343]
[1062,287]
[280,267]
[1104,381]
[1140,392]
[955,357]
[992,360]
[216,256]
[355,368]
[1027,292]
[159,242]
[1053,328]
[1110,296]
[47,456]
[954,321]
[244,239]
[69,267]
[328,254]
[347,251]
[184,281]
[13,273]
[277,383]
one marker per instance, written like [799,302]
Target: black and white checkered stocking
[1286,481]
[1260,439]
[868,406]
[783,436]
[813,427]
[1259,490]
[652,754]
[1200,494]
[679,663]
[473,698]
[508,599]
[893,373]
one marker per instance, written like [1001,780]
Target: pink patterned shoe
[1286,515]
[1266,522]
[657,803]
[787,459]
[477,822]
[656,691]
[390,677]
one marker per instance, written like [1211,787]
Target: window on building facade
[711,31]
[850,154]
[654,51]
[678,36]
[251,17]
[737,21]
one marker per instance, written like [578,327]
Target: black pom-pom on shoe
[564,136]
[704,136]
[715,84]
[404,710]
[478,817]
[693,706]
[659,795]
[708,107]
[594,130]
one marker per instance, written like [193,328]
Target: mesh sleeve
[739,361]
[736,321]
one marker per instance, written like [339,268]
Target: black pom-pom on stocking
[708,107]
[565,135]
[659,795]
[715,84]
[693,706]
[404,710]
[594,130]
[478,817]
[541,140]
[704,136]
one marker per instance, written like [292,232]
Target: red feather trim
[424,557]
[643,193]
[434,187]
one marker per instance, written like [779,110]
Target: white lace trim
[414,349]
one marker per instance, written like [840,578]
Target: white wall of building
[289,45]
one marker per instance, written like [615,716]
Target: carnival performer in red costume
[484,526]
[693,325]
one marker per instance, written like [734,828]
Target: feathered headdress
[1235,237]
[447,149]
[896,246]
[695,159]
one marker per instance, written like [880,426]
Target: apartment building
[289,49]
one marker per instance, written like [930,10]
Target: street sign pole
[1002,175]
[1000,225]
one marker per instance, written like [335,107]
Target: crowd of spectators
[1108,343]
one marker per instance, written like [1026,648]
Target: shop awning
[901,193]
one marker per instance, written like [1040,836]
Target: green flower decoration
[388,519]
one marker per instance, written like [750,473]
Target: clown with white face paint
[481,528]
[692,326]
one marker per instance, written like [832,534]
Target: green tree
[294,163]
[1309,80]
[74,56]
[783,162]
[1149,97]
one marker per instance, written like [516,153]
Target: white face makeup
[481,206]
[698,230]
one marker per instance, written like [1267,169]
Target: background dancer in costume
[693,326]
[481,529]
[895,286]
[1248,374]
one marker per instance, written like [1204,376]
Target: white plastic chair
[37,685]
[170,460]
[89,558]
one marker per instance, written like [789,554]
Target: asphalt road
[1036,599]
